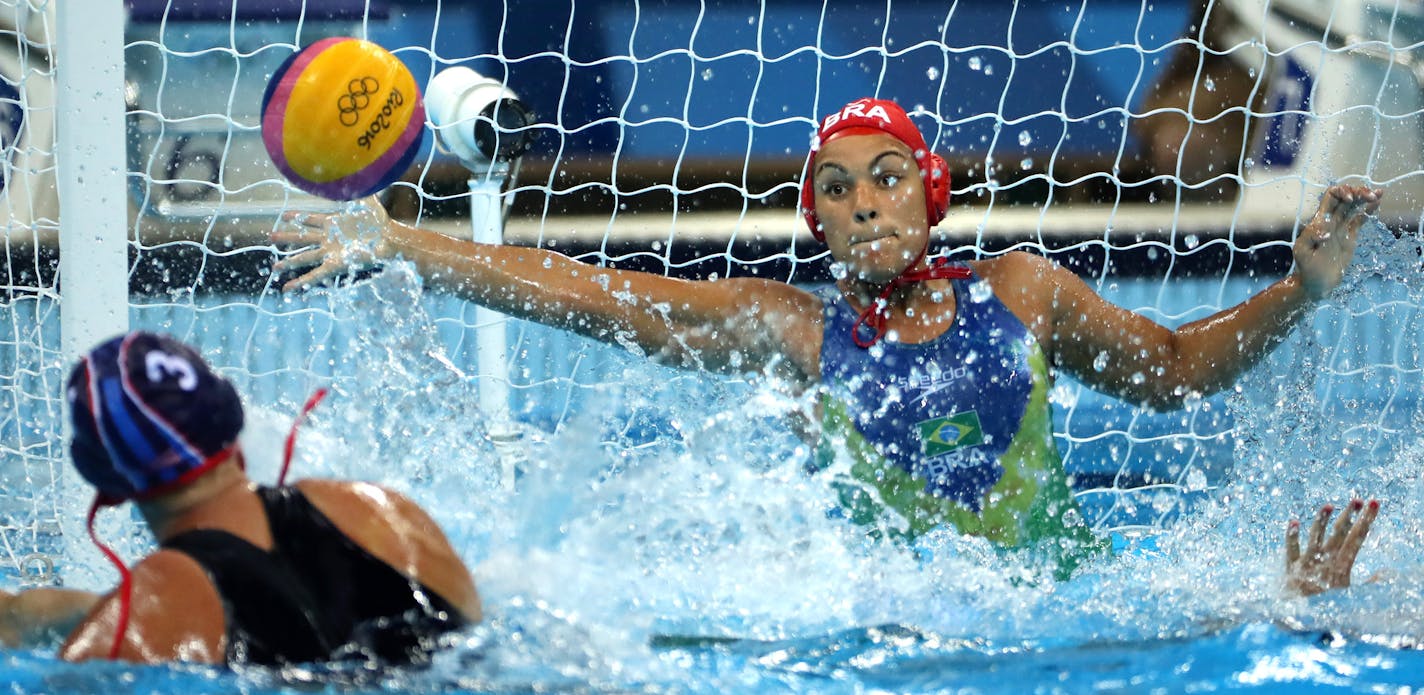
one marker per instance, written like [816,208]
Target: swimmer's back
[398,532]
[178,613]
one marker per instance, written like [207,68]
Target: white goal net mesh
[1166,151]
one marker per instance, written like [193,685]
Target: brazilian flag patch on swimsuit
[945,434]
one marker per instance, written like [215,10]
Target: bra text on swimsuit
[857,108]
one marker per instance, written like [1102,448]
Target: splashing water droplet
[980,292]
[975,63]
[932,73]
[1196,479]
[1025,138]
[1100,362]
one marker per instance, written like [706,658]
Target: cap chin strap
[878,312]
[125,579]
[292,434]
[101,500]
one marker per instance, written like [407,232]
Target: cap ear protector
[886,117]
[937,184]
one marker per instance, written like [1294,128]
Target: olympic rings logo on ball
[358,97]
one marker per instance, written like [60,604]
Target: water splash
[674,507]
[401,413]
[1327,413]
[1332,414]
[715,531]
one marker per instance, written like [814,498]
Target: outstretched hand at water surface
[1326,562]
[1326,245]
[42,616]
[338,243]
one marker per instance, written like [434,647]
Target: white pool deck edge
[1128,222]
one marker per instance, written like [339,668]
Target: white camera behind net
[477,119]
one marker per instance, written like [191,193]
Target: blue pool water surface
[664,537]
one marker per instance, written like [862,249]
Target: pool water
[683,548]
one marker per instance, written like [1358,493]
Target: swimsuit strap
[877,313]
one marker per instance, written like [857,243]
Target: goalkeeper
[932,376]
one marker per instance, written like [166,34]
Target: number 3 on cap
[161,365]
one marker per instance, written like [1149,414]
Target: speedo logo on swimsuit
[928,384]
[857,108]
[942,435]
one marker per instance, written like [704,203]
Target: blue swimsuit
[955,430]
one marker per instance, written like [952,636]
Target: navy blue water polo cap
[149,415]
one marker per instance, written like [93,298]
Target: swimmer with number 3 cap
[930,377]
[317,571]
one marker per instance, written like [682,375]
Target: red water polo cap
[866,116]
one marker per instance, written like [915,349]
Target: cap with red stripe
[149,415]
[867,116]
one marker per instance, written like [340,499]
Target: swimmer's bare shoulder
[175,615]
[790,324]
[399,533]
[1026,283]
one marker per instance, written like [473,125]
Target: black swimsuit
[316,596]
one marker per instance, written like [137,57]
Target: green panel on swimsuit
[1024,509]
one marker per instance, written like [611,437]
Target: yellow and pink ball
[343,118]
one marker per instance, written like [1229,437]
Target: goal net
[1167,151]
